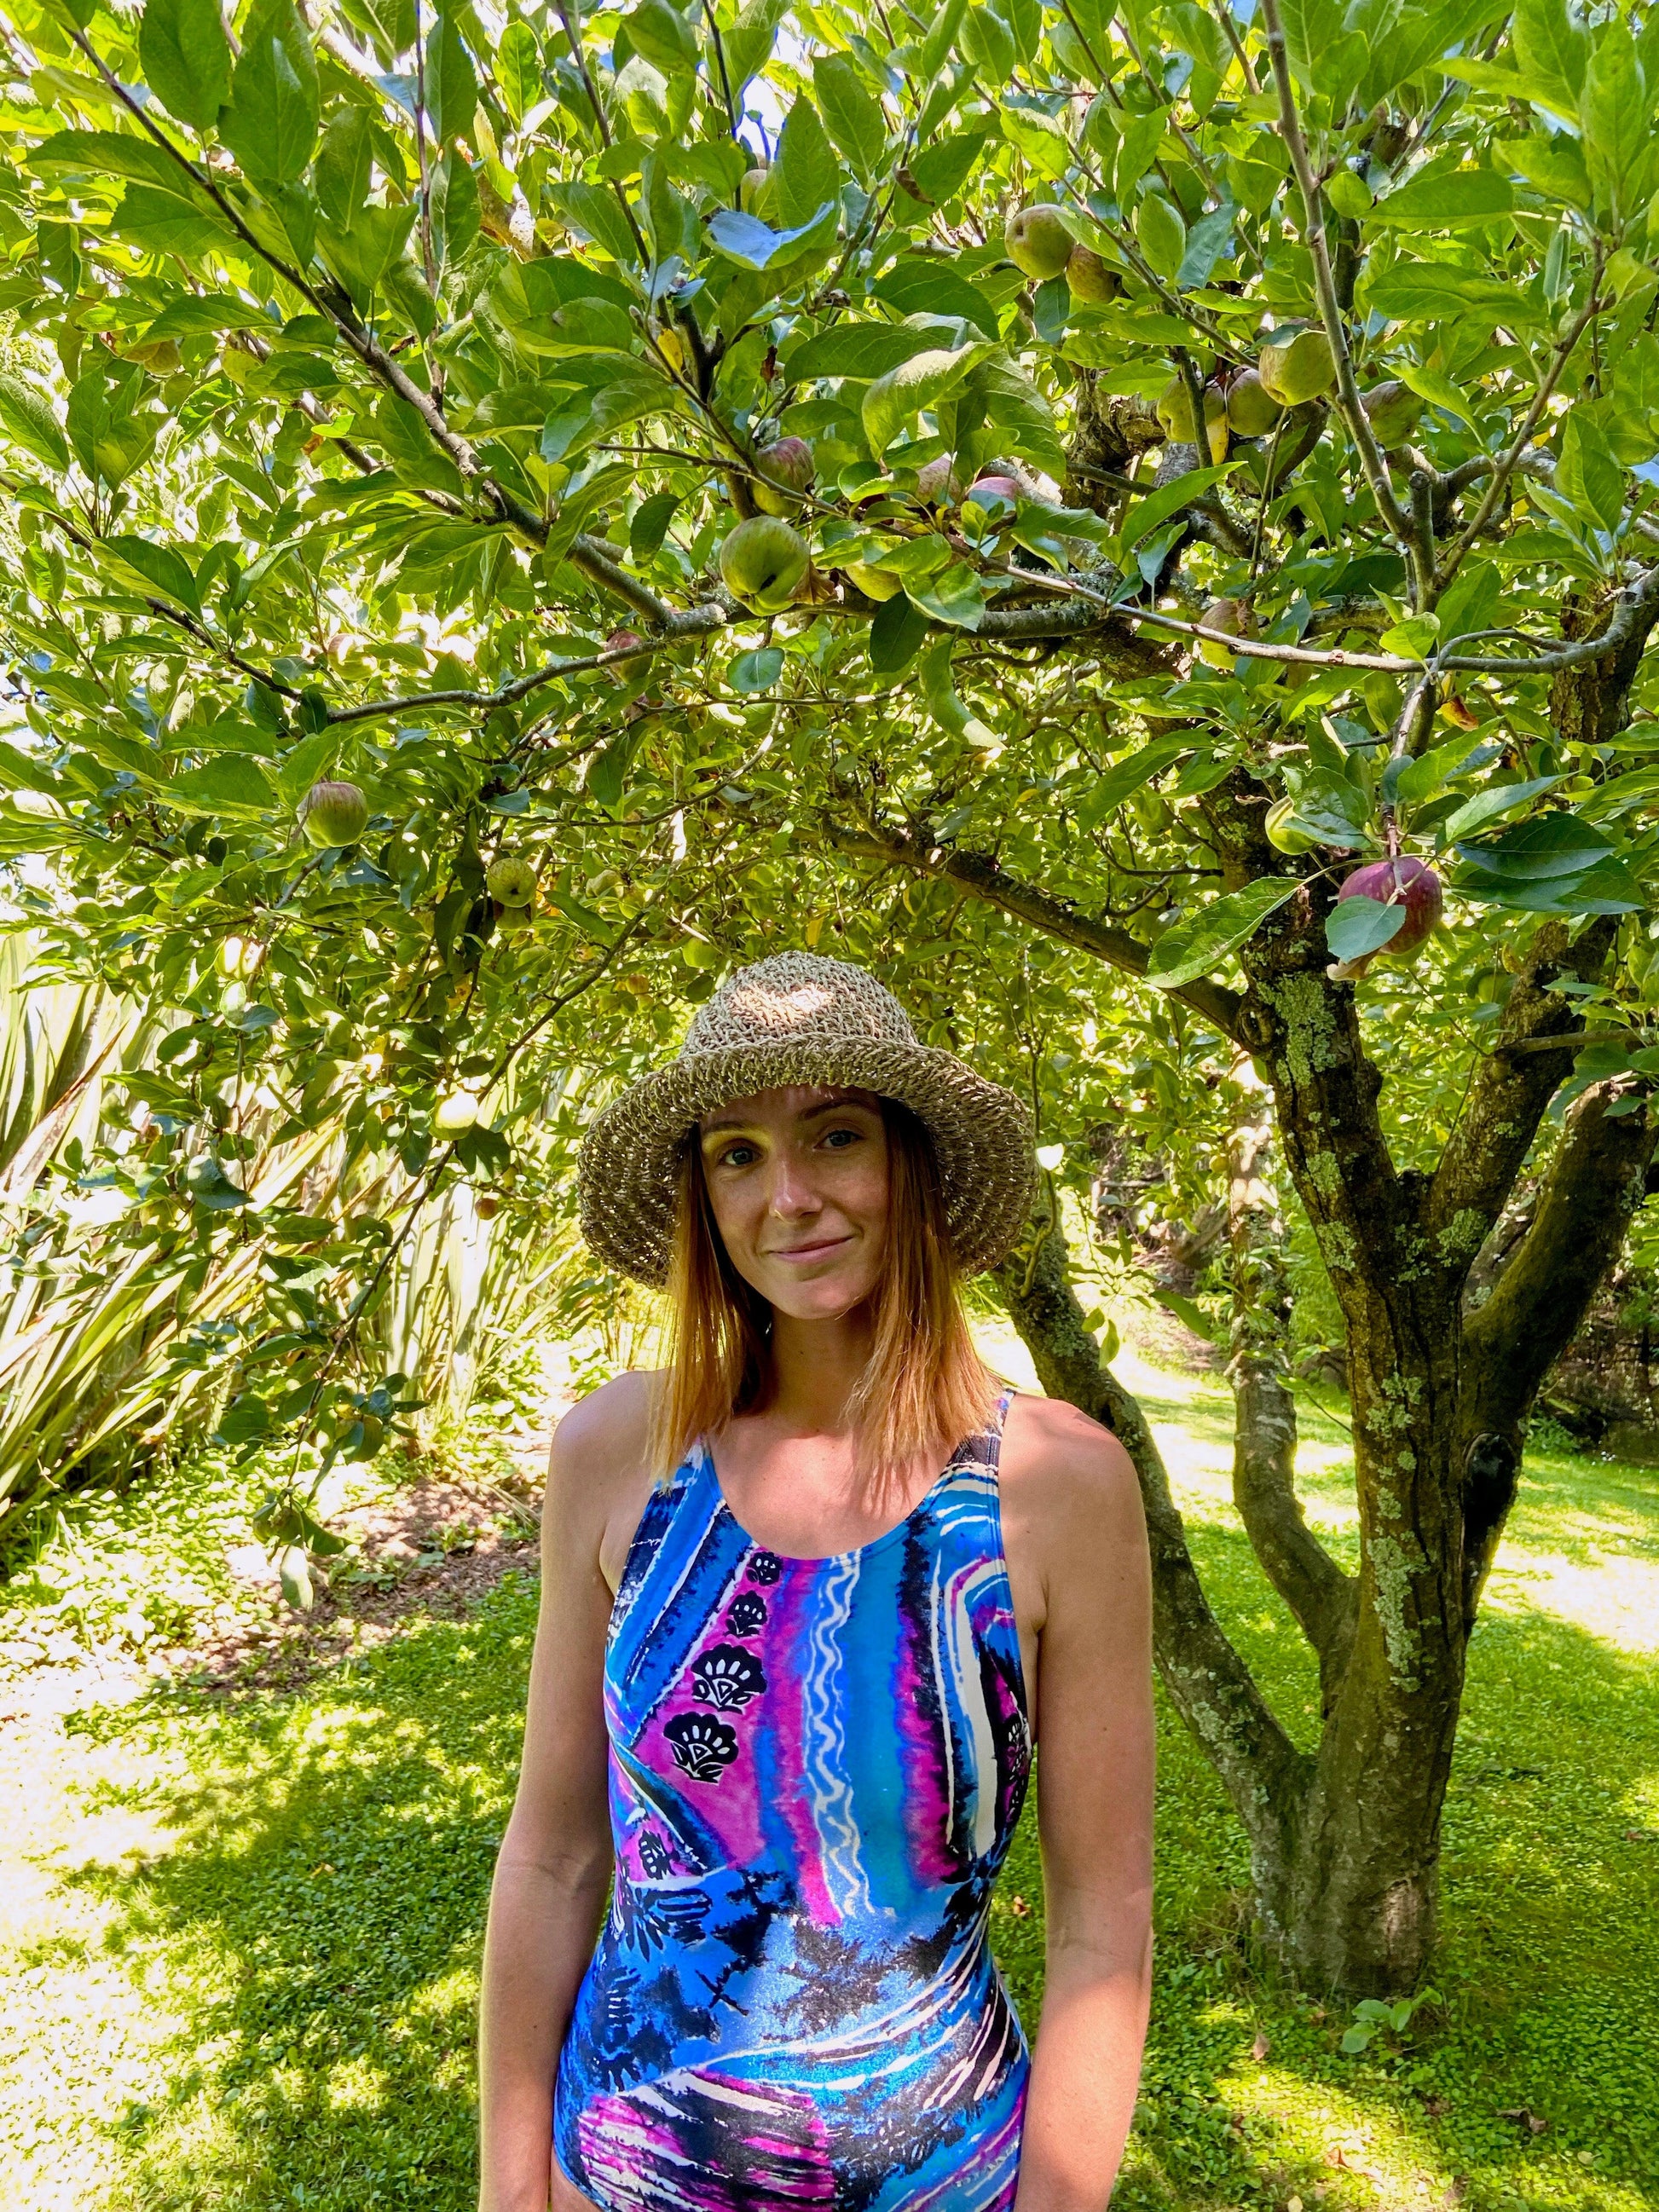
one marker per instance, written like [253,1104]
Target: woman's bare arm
[554,1867]
[1095,1774]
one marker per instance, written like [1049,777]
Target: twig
[1330,312]
[427,260]
[1506,467]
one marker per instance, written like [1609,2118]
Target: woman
[788,1673]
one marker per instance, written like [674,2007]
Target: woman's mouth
[818,1250]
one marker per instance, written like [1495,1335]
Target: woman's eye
[841,1137]
[737,1156]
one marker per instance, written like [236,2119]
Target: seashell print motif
[703,1748]
[727,1677]
[747,1614]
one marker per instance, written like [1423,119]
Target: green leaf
[159,568]
[607,778]
[26,413]
[1554,844]
[1039,138]
[361,252]
[1437,388]
[860,350]
[749,41]
[1552,49]
[271,126]
[752,244]
[1124,777]
[452,83]
[1613,115]
[230,784]
[1430,292]
[662,34]
[1168,499]
[308,763]
[939,171]
[1194,945]
[896,398]
[852,115]
[952,594]
[160,222]
[344,166]
[1446,199]
[1358,926]
[593,211]
[928,284]
[518,70]
[753,672]
[1161,234]
[806,173]
[1019,413]
[1207,242]
[647,531]
[1587,473]
[185,59]
[1553,165]
[1488,805]
[897,634]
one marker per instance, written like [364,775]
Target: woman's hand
[553,1873]
[1077,1545]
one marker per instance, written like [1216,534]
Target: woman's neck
[815,1366]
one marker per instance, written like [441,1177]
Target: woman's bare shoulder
[598,1470]
[1060,1466]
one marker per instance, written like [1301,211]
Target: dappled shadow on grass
[321,1913]
[332,1858]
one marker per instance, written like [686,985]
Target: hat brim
[981,1136]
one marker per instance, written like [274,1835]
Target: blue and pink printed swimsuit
[816,1769]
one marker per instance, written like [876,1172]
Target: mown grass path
[239,1933]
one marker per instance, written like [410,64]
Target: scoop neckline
[832,1558]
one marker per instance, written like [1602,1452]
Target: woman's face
[798,1181]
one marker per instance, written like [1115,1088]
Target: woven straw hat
[799,1019]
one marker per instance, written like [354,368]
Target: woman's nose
[792,1191]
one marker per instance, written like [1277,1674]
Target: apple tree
[510,509]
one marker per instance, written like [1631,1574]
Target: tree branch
[1056,918]
[1330,309]
[1208,1682]
[1323,1599]
[1540,1030]
[1510,1342]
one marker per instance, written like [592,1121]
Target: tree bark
[1345,1844]
[1208,1681]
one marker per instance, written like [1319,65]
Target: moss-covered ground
[239,1930]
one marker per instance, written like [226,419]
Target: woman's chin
[828,1296]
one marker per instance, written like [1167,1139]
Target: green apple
[1301,368]
[1037,241]
[510,881]
[1089,278]
[333,814]
[1282,832]
[1252,411]
[788,470]
[1394,410]
[762,562]
[1232,616]
[1174,412]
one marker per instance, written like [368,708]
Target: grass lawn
[238,1932]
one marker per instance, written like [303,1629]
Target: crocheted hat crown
[800,1018]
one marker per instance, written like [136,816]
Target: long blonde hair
[924,1383]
